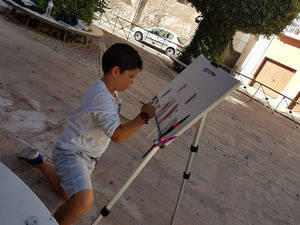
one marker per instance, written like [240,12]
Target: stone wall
[169,14]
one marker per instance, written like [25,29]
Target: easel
[220,86]
[186,175]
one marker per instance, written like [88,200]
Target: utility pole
[137,9]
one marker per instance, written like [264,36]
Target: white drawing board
[18,204]
[194,92]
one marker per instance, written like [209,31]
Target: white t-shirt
[91,126]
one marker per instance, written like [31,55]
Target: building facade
[274,62]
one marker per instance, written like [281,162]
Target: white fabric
[90,128]
[28,3]
[81,26]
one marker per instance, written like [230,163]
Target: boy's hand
[149,109]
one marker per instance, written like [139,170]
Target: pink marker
[166,141]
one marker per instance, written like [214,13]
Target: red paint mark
[232,117]
[19,48]
[33,71]
[51,109]
[297,195]
[224,155]
[128,96]
[73,73]
[111,182]
[0,83]
[68,75]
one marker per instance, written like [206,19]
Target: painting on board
[195,91]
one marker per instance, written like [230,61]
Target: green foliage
[222,18]
[81,9]
[209,40]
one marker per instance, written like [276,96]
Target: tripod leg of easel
[187,173]
[105,211]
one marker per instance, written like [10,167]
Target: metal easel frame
[187,172]
[186,175]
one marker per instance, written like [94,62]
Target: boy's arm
[124,131]
[128,129]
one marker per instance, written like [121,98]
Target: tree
[81,9]
[222,18]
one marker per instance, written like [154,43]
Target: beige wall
[289,56]
[169,14]
[229,58]
[286,54]
[251,42]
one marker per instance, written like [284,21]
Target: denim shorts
[74,169]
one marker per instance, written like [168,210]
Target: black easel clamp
[215,64]
[194,148]
[162,146]
[186,175]
[105,212]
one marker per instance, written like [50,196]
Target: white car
[160,38]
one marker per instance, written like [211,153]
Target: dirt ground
[246,171]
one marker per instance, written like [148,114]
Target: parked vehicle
[160,38]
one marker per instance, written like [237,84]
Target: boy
[88,133]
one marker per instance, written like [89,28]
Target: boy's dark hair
[123,56]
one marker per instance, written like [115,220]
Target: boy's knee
[84,199]
[63,193]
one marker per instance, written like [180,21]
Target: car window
[170,36]
[161,33]
[158,32]
[154,31]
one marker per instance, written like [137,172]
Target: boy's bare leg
[75,207]
[50,172]
[72,209]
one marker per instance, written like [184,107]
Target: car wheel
[138,36]
[170,51]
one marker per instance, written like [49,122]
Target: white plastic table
[18,204]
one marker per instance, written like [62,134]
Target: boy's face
[125,80]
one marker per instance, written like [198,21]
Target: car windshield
[180,41]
